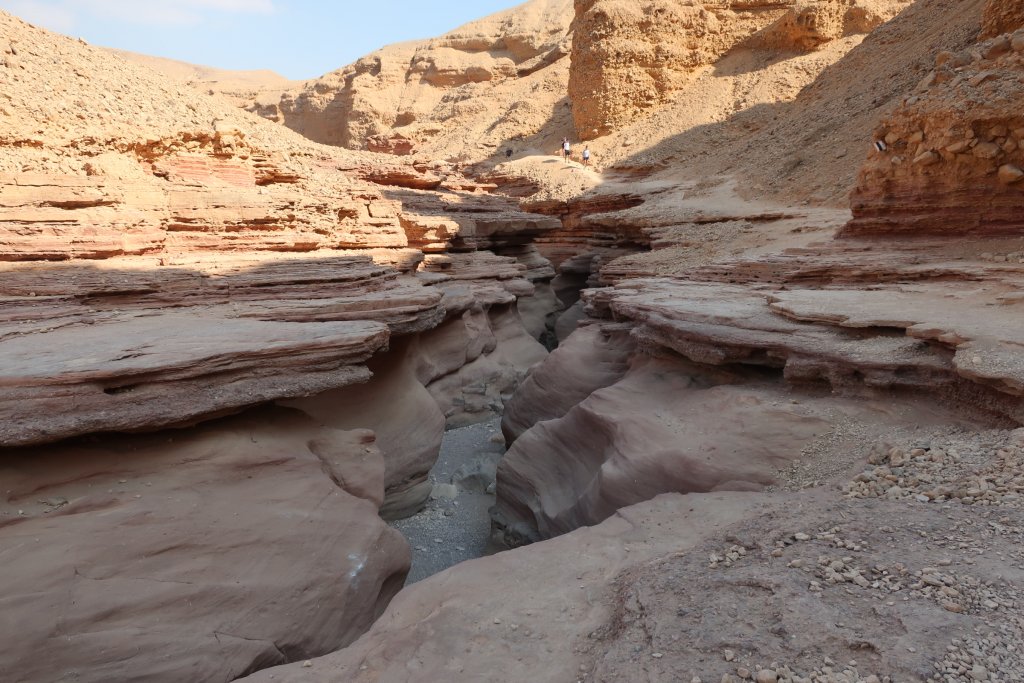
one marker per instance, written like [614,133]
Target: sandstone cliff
[466,92]
[630,58]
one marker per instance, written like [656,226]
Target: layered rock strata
[951,161]
[202,318]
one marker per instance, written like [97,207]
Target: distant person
[586,155]
[566,149]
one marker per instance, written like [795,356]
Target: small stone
[743,672]
[979,673]
[801,537]
[767,676]
[307,664]
[729,655]
[657,655]
[987,150]
[1010,174]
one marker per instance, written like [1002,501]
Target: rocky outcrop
[952,162]
[493,624]
[630,58]
[226,352]
[1002,16]
[472,88]
[631,595]
[592,358]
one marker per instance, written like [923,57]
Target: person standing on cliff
[566,149]
[586,155]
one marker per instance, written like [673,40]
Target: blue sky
[297,38]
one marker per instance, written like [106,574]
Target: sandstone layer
[952,159]
[225,352]
[806,587]
[201,555]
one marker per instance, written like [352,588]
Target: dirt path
[455,526]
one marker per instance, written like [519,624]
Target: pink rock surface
[592,358]
[456,626]
[198,555]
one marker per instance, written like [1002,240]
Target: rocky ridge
[951,157]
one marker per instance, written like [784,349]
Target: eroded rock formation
[952,161]
[1002,16]
[629,58]
[476,86]
[225,352]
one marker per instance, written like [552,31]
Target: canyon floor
[455,525]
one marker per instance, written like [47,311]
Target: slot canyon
[359,379]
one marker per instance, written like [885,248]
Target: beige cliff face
[629,58]
[474,88]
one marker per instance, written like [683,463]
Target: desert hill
[459,96]
[239,85]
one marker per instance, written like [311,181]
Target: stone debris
[989,474]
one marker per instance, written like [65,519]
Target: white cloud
[61,15]
[52,15]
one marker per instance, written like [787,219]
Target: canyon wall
[467,92]
[226,352]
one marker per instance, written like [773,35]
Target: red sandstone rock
[198,555]
[965,119]
[590,359]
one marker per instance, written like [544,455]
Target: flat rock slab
[985,329]
[135,373]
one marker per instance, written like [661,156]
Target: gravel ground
[455,526]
